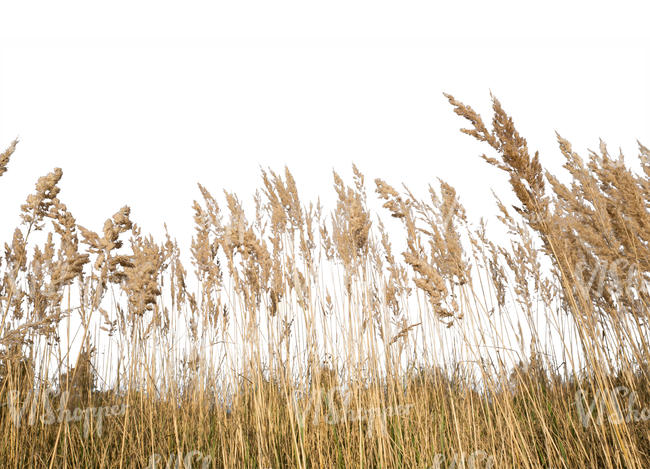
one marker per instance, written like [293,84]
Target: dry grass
[300,339]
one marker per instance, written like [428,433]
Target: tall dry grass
[298,337]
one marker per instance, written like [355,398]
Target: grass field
[295,335]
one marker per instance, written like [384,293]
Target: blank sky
[137,103]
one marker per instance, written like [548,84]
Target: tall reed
[300,338]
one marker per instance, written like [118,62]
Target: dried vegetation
[301,339]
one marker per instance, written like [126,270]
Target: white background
[138,101]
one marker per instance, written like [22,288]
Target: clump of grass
[301,339]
